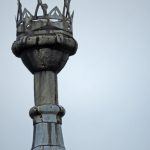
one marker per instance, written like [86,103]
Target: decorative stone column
[44,43]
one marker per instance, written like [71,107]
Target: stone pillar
[45,88]
[44,47]
[47,114]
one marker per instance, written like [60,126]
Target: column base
[47,133]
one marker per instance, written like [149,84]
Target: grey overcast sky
[105,87]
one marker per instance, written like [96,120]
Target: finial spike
[43,7]
[19,13]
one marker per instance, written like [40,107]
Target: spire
[44,8]
[19,13]
[66,9]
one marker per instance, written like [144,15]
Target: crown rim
[27,23]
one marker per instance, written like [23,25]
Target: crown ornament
[44,42]
[50,22]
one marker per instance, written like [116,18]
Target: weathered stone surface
[47,113]
[63,43]
[45,52]
[45,88]
[44,59]
[47,127]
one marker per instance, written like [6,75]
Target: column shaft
[45,88]
[47,113]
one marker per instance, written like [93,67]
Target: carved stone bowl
[44,52]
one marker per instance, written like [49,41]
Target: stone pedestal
[47,127]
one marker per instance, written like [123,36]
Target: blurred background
[105,87]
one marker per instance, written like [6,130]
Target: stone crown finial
[44,42]
[50,22]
